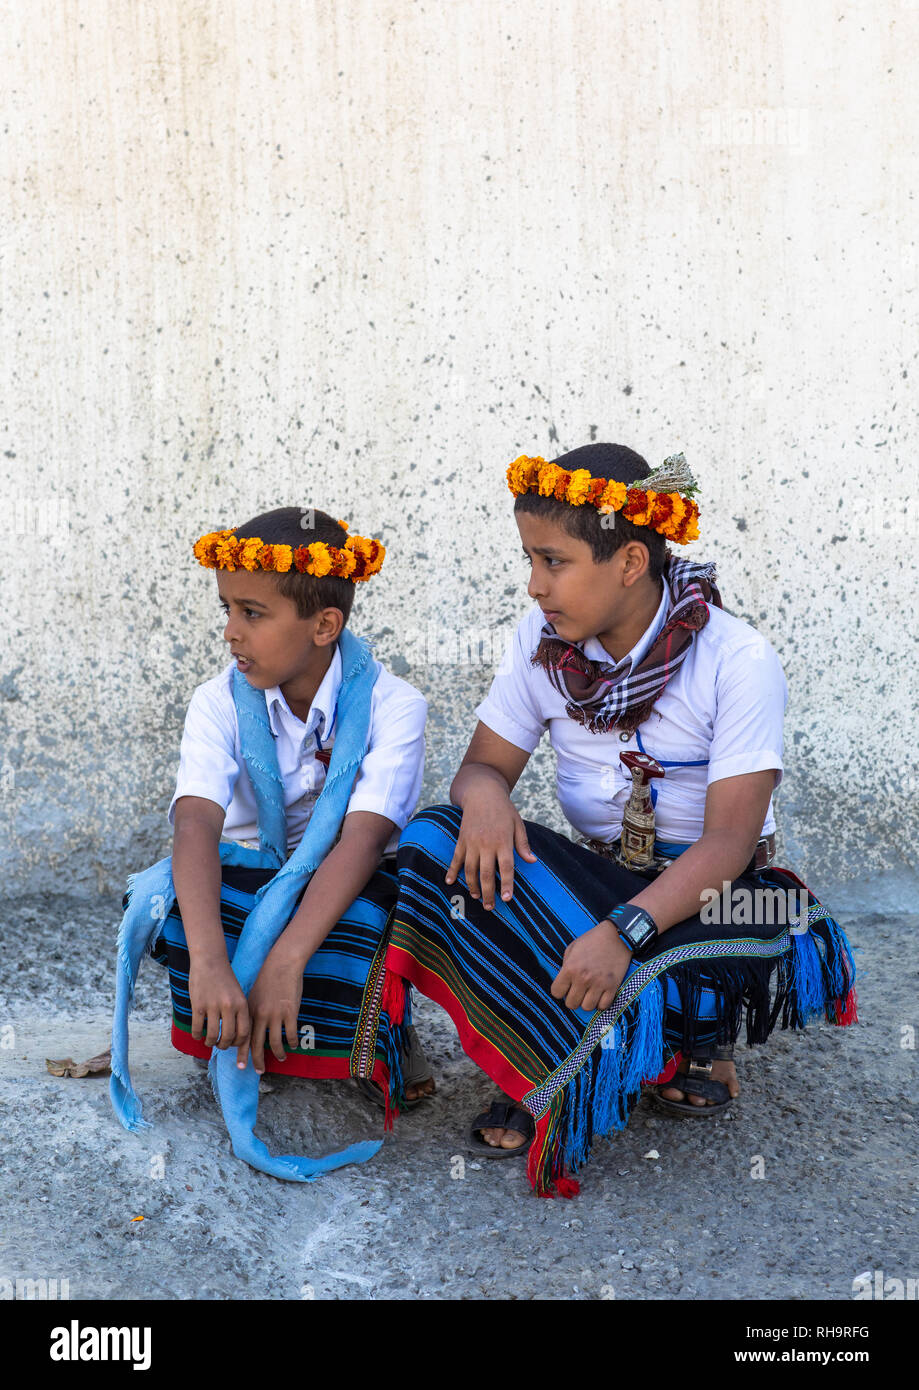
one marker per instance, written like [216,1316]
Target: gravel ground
[828,1118]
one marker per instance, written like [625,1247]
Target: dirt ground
[809,1181]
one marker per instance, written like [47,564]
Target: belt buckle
[764,854]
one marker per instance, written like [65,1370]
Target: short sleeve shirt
[388,781]
[721,715]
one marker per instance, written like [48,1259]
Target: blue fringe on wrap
[807,971]
[822,973]
[602,1095]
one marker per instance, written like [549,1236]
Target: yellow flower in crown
[248,552]
[579,487]
[321,559]
[523,472]
[206,548]
[612,499]
[639,506]
[225,551]
[548,479]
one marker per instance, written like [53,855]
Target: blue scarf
[152,896]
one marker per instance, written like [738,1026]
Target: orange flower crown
[357,559]
[663,500]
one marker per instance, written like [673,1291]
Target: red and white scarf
[605,695]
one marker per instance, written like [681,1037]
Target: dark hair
[296,526]
[610,461]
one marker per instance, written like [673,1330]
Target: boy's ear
[329,624]
[636,561]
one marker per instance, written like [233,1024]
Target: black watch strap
[636,927]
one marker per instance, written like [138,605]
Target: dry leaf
[96,1066]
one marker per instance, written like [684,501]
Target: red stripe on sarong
[479,1049]
[295,1064]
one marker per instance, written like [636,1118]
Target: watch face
[634,925]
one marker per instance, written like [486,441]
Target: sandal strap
[495,1117]
[503,1114]
[700,1086]
[521,1121]
[711,1052]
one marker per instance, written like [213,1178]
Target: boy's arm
[510,726]
[491,758]
[212,987]
[745,766]
[491,827]
[735,808]
[340,878]
[274,999]
[196,874]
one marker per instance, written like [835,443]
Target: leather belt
[763,854]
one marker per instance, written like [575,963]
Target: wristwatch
[636,927]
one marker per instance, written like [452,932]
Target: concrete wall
[360,255]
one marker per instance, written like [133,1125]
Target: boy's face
[580,597]
[274,646]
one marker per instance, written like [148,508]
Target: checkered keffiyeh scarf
[604,696]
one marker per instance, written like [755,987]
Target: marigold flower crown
[358,559]
[663,500]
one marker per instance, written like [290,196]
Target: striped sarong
[580,1074]
[353,1012]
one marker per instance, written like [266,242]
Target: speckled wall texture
[361,255]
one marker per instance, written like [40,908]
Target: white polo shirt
[388,781]
[723,709]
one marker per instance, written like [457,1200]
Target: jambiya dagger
[636,843]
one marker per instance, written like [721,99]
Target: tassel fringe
[814,978]
[601,1096]
[394,992]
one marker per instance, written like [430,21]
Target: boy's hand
[593,968]
[274,1003]
[490,831]
[216,996]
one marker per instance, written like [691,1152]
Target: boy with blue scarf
[301,762]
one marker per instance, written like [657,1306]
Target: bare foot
[721,1071]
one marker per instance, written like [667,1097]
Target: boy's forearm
[197,880]
[676,894]
[476,775]
[340,878]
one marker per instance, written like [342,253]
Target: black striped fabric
[499,965]
[335,977]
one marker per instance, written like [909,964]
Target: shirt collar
[321,711]
[595,650]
